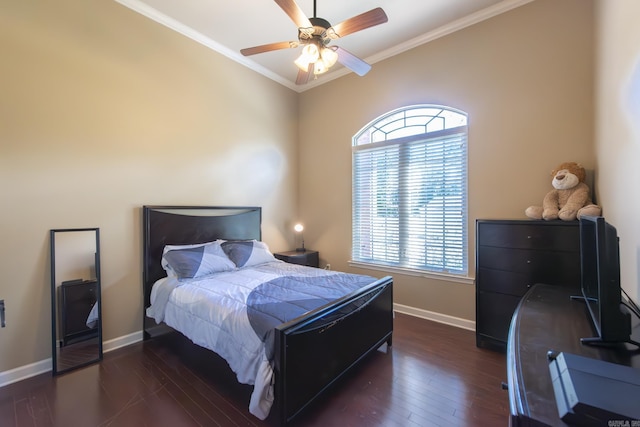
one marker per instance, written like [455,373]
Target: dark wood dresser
[511,256]
[548,319]
[76,301]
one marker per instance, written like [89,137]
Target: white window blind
[410,190]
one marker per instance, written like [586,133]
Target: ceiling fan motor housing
[319,22]
[320,26]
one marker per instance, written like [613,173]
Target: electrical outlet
[327,267]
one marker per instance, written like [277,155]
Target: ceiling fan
[315,34]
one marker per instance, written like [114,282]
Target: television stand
[548,319]
[597,340]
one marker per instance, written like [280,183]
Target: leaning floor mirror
[76,323]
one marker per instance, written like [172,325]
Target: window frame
[401,128]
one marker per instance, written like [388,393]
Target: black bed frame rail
[311,354]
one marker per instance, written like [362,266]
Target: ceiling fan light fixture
[302,63]
[329,57]
[309,55]
[319,68]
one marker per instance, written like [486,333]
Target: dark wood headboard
[183,225]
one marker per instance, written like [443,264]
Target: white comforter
[211,311]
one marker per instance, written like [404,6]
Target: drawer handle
[528,261]
[528,237]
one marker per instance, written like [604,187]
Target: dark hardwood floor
[432,376]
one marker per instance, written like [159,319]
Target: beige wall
[526,80]
[103,111]
[618,129]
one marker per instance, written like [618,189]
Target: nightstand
[308,258]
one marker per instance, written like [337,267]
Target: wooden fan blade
[268,48]
[304,76]
[352,62]
[360,22]
[296,14]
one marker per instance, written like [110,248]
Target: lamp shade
[298,229]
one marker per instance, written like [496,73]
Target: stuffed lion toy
[570,197]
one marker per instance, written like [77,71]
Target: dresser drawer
[528,235]
[504,282]
[541,266]
[494,312]
[84,293]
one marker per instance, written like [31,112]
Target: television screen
[589,268]
[600,275]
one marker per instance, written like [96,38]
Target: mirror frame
[55,297]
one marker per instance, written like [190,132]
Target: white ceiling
[227,26]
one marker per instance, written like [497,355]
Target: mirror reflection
[76,329]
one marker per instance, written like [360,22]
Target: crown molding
[159,17]
[457,25]
[452,27]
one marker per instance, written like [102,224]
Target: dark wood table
[548,319]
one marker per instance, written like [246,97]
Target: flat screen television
[600,282]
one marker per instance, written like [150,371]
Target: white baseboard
[27,371]
[37,368]
[24,372]
[122,341]
[436,317]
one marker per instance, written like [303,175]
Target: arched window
[410,190]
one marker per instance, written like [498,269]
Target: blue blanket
[286,298]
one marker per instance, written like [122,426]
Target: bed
[306,350]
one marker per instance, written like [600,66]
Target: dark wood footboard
[315,350]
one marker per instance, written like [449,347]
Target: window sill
[411,272]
